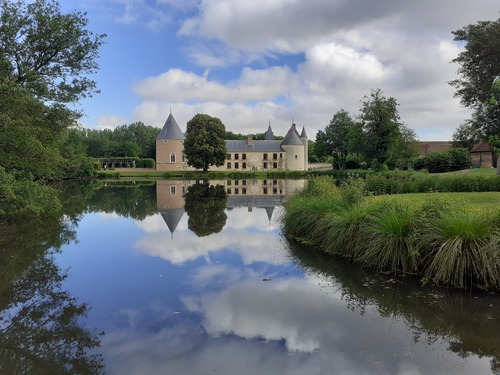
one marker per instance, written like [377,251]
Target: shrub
[145,163]
[390,238]
[464,249]
[454,159]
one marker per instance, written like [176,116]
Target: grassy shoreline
[154,174]
[446,239]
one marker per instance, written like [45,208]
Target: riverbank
[319,169]
[444,239]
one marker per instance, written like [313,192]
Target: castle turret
[294,149]
[170,147]
[269,136]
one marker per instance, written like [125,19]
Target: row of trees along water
[46,63]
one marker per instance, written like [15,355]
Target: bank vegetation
[442,239]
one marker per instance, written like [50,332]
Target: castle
[242,155]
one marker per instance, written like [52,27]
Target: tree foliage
[45,60]
[386,140]
[479,62]
[205,144]
[205,205]
[49,53]
[478,85]
[335,140]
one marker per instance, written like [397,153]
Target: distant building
[427,147]
[242,155]
[482,155]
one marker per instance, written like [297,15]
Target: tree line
[47,59]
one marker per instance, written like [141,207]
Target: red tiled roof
[427,147]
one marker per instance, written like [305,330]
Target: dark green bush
[454,159]
[145,163]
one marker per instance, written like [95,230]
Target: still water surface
[181,279]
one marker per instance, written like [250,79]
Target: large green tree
[478,85]
[385,137]
[50,53]
[334,140]
[45,61]
[205,145]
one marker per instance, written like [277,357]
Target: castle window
[228,156]
[236,156]
[228,166]
[265,156]
[173,190]
[295,156]
[275,156]
[275,165]
[265,190]
[236,182]
[236,165]
[172,157]
[243,191]
[228,182]
[275,191]
[265,165]
[236,191]
[244,156]
[244,165]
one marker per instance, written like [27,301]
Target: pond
[174,277]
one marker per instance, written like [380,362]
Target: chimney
[249,140]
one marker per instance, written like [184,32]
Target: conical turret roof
[172,217]
[171,130]
[269,136]
[303,134]
[292,137]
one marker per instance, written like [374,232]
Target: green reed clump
[343,230]
[463,249]
[389,239]
[448,242]
[306,209]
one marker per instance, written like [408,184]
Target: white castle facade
[269,154]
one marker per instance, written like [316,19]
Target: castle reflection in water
[266,194]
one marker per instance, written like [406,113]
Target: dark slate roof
[292,137]
[171,130]
[172,217]
[482,147]
[269,136]
[303,134]
[255,146]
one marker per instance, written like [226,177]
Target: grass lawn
[470,172]
[486,200]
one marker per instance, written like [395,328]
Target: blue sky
[251,62]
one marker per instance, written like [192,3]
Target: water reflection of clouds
[248,234]
[276,327]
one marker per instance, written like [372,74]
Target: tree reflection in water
[205,205]
[467,320]
[40,328]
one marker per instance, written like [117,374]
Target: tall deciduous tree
[380,121]
[49,53]
[478,85]
[479,62]
[205,144]
[334,140]
[386,140]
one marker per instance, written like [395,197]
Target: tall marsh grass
[440,240]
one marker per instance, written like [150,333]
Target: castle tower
[269,136]
[303,138]
[170,147]
[294,149]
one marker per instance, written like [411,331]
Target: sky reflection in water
[233,302]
